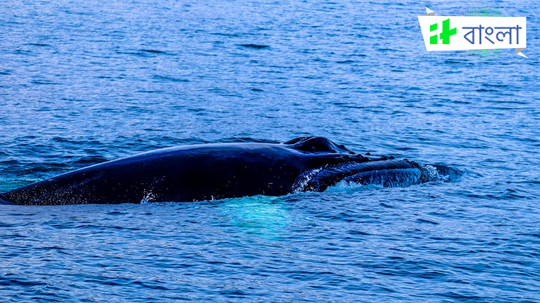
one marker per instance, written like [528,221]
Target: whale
[224,170]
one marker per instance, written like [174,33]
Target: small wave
[16,281]
[39,44]
[152,51]
[255,46]
[168,78]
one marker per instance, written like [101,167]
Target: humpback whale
[219,171]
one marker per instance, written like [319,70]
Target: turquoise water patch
[263,216]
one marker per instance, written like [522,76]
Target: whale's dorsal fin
[317,144]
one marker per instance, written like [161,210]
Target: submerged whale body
[218,171]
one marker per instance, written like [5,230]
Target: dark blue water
[83,82]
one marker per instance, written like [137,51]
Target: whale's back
[187,173]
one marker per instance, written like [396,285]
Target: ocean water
[83,82]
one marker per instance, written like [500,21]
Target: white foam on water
[147,198]
[303,180]
[433,175]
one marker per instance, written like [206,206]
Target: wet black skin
[204,172]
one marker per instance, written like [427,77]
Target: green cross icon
[445,34]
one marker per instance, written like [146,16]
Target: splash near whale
[218,171]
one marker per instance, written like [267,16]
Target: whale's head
[335,163]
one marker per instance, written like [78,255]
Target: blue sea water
[83,82]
